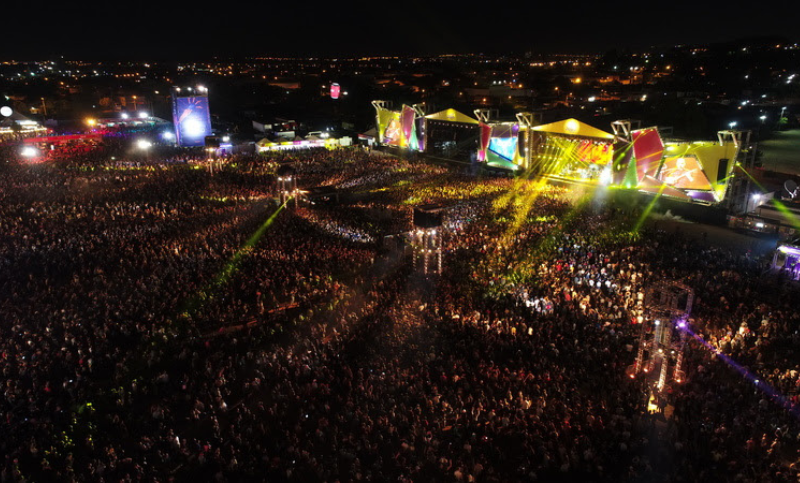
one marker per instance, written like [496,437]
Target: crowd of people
[174,323]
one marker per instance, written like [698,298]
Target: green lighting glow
[649,208]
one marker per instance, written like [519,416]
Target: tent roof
[573,127]
[451,115]
[371,133]
[265,142]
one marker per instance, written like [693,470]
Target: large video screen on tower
[504,147]
[503,141]
[684,172]
[393,130]
[192,120]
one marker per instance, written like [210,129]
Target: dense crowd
[173,323]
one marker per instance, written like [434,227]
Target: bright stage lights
[29,152]
[143,144]
[193,127]
[606,176]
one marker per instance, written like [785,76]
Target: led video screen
[192,120]
[504,140]
[393,134]
[684,172]
[504,147]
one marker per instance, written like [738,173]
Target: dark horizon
[171,33]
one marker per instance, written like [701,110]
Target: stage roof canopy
[573,127]
[451,115]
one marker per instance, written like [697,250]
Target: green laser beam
[776,203]
[233,264]
[649,208]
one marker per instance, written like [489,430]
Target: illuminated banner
[192,120]
[407,122]
[624,168]
[647,149]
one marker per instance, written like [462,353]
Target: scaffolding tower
[662,337]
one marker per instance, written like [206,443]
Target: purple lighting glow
[789,250]
[750,376]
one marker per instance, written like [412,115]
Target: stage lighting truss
[427,247]
[662,338]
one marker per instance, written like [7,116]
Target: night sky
[150,30]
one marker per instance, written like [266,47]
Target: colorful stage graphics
[624,168]
[407,116]
[393,134]
[698,171]
[192,120]
[647,150]
[398,128]
[503,141]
